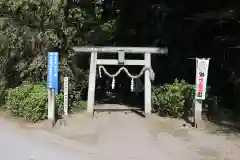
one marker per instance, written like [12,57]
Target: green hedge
[173,100]
[30,102]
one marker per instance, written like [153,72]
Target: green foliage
[30,28]
[78,106]
[59,104]
[27,101]
[30,102]
[172,99]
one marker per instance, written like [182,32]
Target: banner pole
[202,66]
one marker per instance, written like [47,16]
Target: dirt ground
[128,136]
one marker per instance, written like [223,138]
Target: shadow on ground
[119,99]
[225,121]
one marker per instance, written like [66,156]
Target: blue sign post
[52,83]
[52,75]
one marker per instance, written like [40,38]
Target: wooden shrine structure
[121,61]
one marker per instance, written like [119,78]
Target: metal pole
[51,104]
[197,112]
[197,103]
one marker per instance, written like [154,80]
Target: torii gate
[147,70]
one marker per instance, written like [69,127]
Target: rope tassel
[132,84]
[113,83]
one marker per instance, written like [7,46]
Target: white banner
[201,78]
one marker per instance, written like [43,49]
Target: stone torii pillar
[147,51]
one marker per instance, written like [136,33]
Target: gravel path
[24,144]
[115,136]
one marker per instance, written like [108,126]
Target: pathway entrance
[97,64]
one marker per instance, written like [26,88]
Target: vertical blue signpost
[52,82]
[52,76]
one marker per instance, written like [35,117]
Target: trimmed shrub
[27,101]
[30,102]
[173,100]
